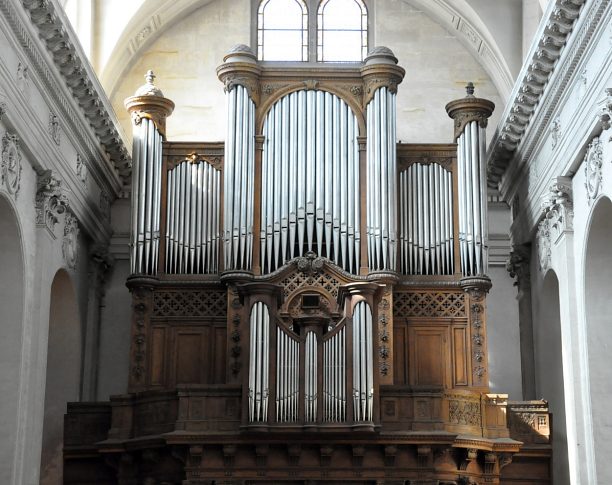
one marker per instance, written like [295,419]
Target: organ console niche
[309,296]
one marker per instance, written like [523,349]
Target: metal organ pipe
[238,180]
[334,377]
[363,369]
[310,172]
[287,377]
[192,214]
[310,378]
[258,362]
[473,230]
[146,198]
[425,220]
[381,184]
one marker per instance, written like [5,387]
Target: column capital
[149,102]
[469,108]
[240,68]
[380,70]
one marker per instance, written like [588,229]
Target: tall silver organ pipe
[192,218]
[426,220]
[287,376]
[334,377]
[310,378]
[473,230]
[238,180]
[310,181]
[471,115]
[146,197]
[258,362]
[381,181]
[363,367]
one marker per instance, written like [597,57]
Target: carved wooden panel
[185,302]
[429,360]
[400,354]
[431,304]
[460,355]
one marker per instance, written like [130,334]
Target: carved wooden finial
[469,88]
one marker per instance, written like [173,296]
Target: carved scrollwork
[310,263]
[518,265]
[10,164]
[51,200]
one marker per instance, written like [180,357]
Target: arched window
[342,31]
[282,30]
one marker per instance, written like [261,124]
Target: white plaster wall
[114,362]
[28,104]
[186,55]
[437,69]
[503,335]
[185,59]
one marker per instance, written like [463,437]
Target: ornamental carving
[2,109]
[593,162]
[81,169]
[558,208]
[54,128]
[310,263]
[51,200]
[555,132]
[464,412]
[70,240]
[518,265]
[23,78]
[190,303]
[10,164]
[428,304]
[249,83]
[543,244]
[373,84]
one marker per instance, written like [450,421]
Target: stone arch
[597,293]
[549,370]
[12,289]
[63,373]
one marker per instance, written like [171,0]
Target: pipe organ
[308,296]
[310,181]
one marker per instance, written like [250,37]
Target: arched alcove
[63,374]
[549,371]
[598,290]
[11,319]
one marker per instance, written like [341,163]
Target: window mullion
[313,6]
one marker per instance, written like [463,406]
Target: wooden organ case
[309,297]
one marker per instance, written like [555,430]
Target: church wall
[560,169]
[437,66]
[53,178]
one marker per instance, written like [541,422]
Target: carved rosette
[468,109]
[10,164]
[150,103]
[593,162]
[70,240]
[51,200]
